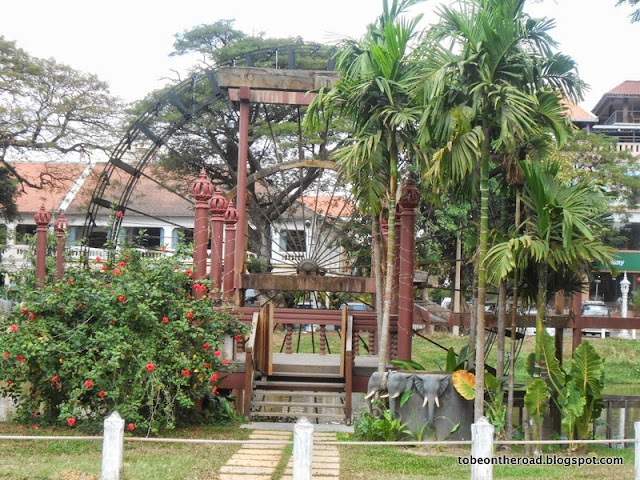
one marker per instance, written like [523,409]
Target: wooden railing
[250,361]
[347,362]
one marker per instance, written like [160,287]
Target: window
[22,230]
[293,241]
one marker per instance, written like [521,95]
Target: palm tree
[373,93]
[560,236]
[491,81]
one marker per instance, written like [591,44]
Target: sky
[127,43]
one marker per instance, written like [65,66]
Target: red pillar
[406,254]
[61,225]
[42,219]
[241,196]
[230,221]
[217,207]
[202,190]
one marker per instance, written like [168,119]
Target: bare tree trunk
[376,265]
[512,344]
[388,287]
[502,316]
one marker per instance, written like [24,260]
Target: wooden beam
[265,281]
[274,96]
[276,79]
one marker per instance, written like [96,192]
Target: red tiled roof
[577,113]
[328,205]
[626,88]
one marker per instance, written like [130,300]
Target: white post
[636,469]
[481,450]
[112,447]
[302,449]
[624,289]
[622,420]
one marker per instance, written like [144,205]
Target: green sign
[624,261]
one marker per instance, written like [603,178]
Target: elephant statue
[397,384]
[377,384]
[431,387]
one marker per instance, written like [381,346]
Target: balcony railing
[619,116]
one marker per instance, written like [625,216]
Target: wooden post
[481,450]
[244,94]
[42,219]
[302,449]
[61,225]
[217,207]
[230,221]
[406,255]
[112,447]
[202,190]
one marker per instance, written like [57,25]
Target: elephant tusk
[424,403]
[370,395]
[396,395]
[384,396]
[437,402]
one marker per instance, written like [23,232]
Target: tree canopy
[47,110]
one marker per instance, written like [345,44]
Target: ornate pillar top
[42,217]
[218,204]
[410,196]
[61,224]
[202,189]
[231,215]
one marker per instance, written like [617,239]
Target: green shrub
[124,334]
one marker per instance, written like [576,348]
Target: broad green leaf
[464,383]
[452,361]
[586,370]
[536,399]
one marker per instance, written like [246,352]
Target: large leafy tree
[373,93]
[635,15]
[492,82]
[47,110]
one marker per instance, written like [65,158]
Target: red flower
[6,355]
[88,383]
[186,373]
[131,427]
[120,214]
[70,281]
[23,310]
[116,271]
[165,320]
[98,259]
[214,390]
[217,353]
[127,256]
[163,248]
[150,367]
[101,394]
[239,337]
[55,379]
[123,264]
[190,315]
[206,346]
[207,365]
[32,315]
[14,327]
[188,272]
[20,358]
[122,299]
[225,361]
[214,377]
[105,267]
[71,421]
[9,382]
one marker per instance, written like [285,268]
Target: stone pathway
[254,461]
[258,462]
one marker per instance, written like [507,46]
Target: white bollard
[636,469]
[112,447]
[302,450]
[482,450]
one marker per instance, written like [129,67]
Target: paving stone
[262,446]
[251,454]
[249,470]
[231,476]
[258,462]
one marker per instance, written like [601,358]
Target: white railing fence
[481,459]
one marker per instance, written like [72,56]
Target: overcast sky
[127,43]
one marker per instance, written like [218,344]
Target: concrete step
[268,403]
[298,393]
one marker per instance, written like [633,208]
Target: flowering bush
[129,337]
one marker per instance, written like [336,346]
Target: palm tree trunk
[512,344]
[502,317]
[376,265]
[483,242]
